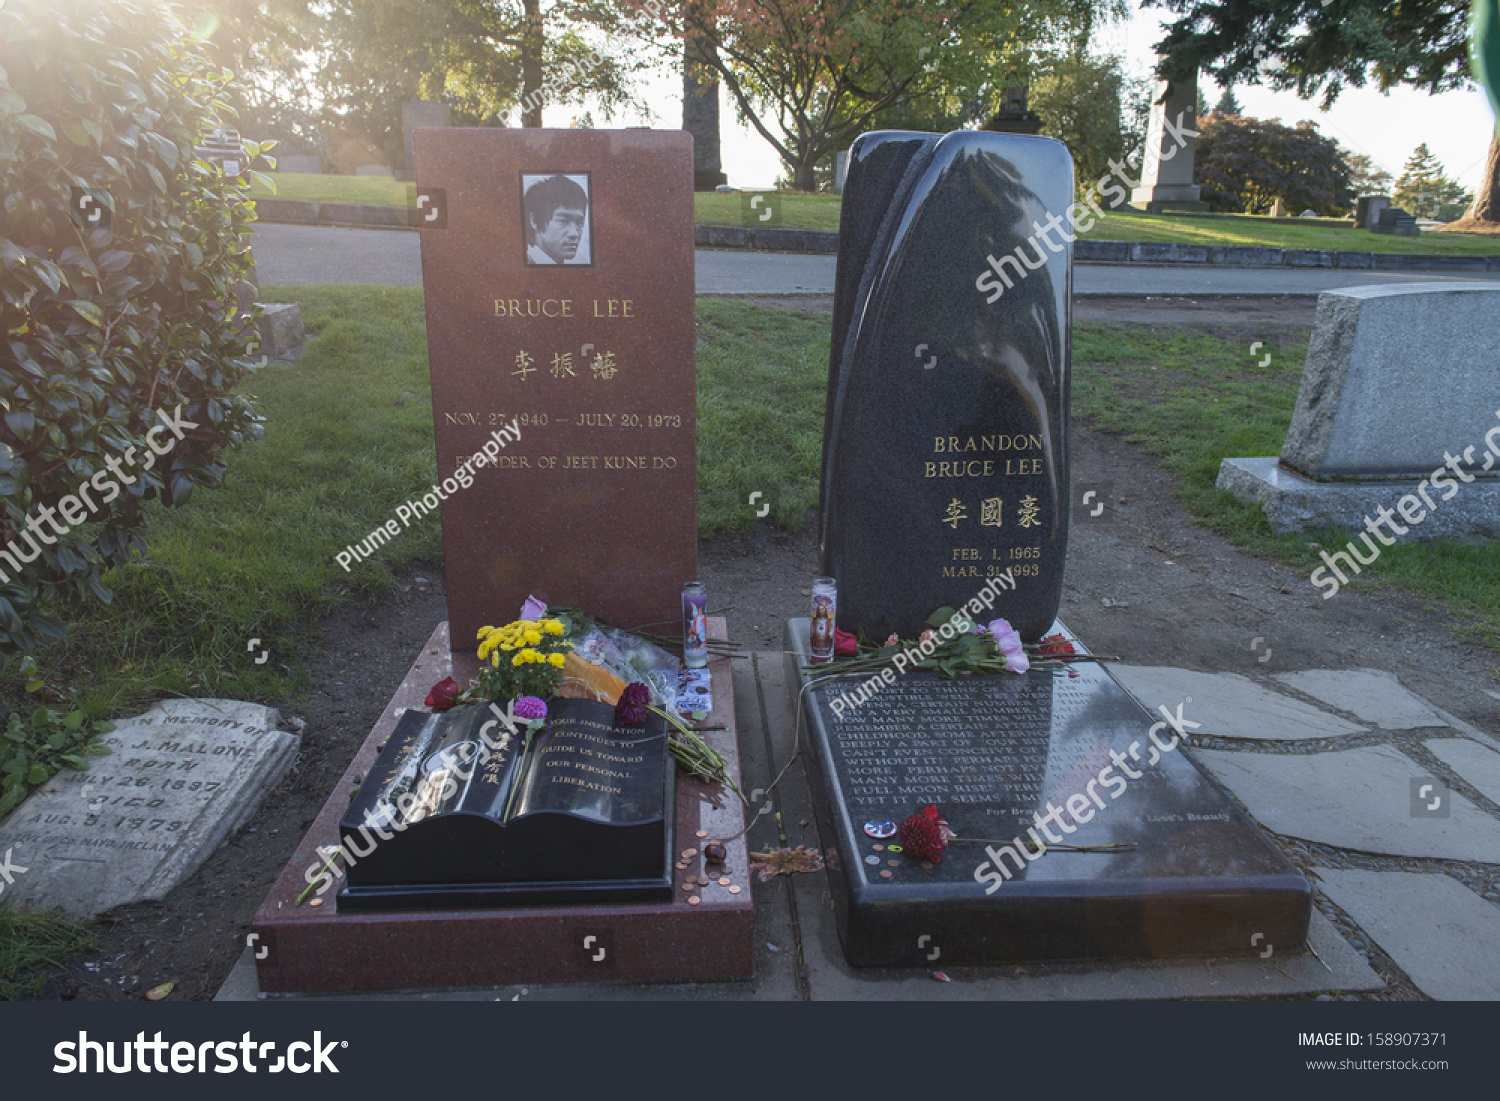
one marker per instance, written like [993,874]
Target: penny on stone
[885,873]
[878,848]
[734,890]
[724,881]
[872,859]
[927,864]
[702,833]
[694,900]
[688,854]
[316,902]
[894,863]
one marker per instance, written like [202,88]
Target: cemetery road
[325,254]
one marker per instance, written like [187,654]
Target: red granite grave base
[305,948]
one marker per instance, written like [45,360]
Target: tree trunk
[1486,205]
[531,63]
[804,174]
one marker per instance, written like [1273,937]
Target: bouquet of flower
[524,658]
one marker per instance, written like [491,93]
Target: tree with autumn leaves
[812,75]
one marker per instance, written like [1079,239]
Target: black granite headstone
[995,754]
[945,454]
[585,814]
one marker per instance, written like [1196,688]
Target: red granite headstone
[559,293]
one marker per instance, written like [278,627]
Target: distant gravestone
[945,457]
[182,778]
[1396,222]
[413,115]
[1400,396]
[1171,141]
[559,299]
[1278,208]
[1367,210]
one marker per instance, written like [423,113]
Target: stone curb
[781,239]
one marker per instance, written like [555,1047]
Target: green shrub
[119,256]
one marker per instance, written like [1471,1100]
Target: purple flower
[529,707]
[533,609]
[1008,643]
[631,710]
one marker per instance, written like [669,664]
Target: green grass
[348,437]
[1131,225]
[804,210]
[762,381]
[1193,400]
[311,187]
[31,943]
[798,210]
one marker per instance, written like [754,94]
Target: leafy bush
[31,751]
[119,259]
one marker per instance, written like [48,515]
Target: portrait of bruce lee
[557,225]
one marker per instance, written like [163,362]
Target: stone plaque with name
[181,778]
[559,293]
[1015,760]
[945,456]
[447,818]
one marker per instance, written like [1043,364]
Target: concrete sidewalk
[1328,767]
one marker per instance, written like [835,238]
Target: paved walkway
[321,254]
[1388,804]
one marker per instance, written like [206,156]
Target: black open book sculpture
[584,813]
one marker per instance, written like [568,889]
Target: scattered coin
[694,900]
[724,881]
[688,854]
[927,864]
[894,863]
[872,859]
[702,833]
[885,873]
[881,828]
[316,902]
[682,864]
[734,890]
[878,848]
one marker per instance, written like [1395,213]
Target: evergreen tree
[1424,189]
[1227,104]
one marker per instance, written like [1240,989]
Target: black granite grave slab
[945,452]
[993,752]
[581,812]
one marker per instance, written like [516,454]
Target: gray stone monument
[421,113]
[182,778]
[1171,136]
[1398,417]
[1367,210]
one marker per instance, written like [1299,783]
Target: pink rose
[894,640]
[927,634]
[1007,642]
[844,644]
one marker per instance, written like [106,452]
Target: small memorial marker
[182,778]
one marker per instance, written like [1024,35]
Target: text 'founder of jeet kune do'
[555,212]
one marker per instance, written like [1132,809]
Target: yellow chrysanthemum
[533,638]
[495,660]
[485,632]
[554,627]
[519,659]
[556,659]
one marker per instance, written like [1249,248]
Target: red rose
[444,694]
[1054,646]
[844,644]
